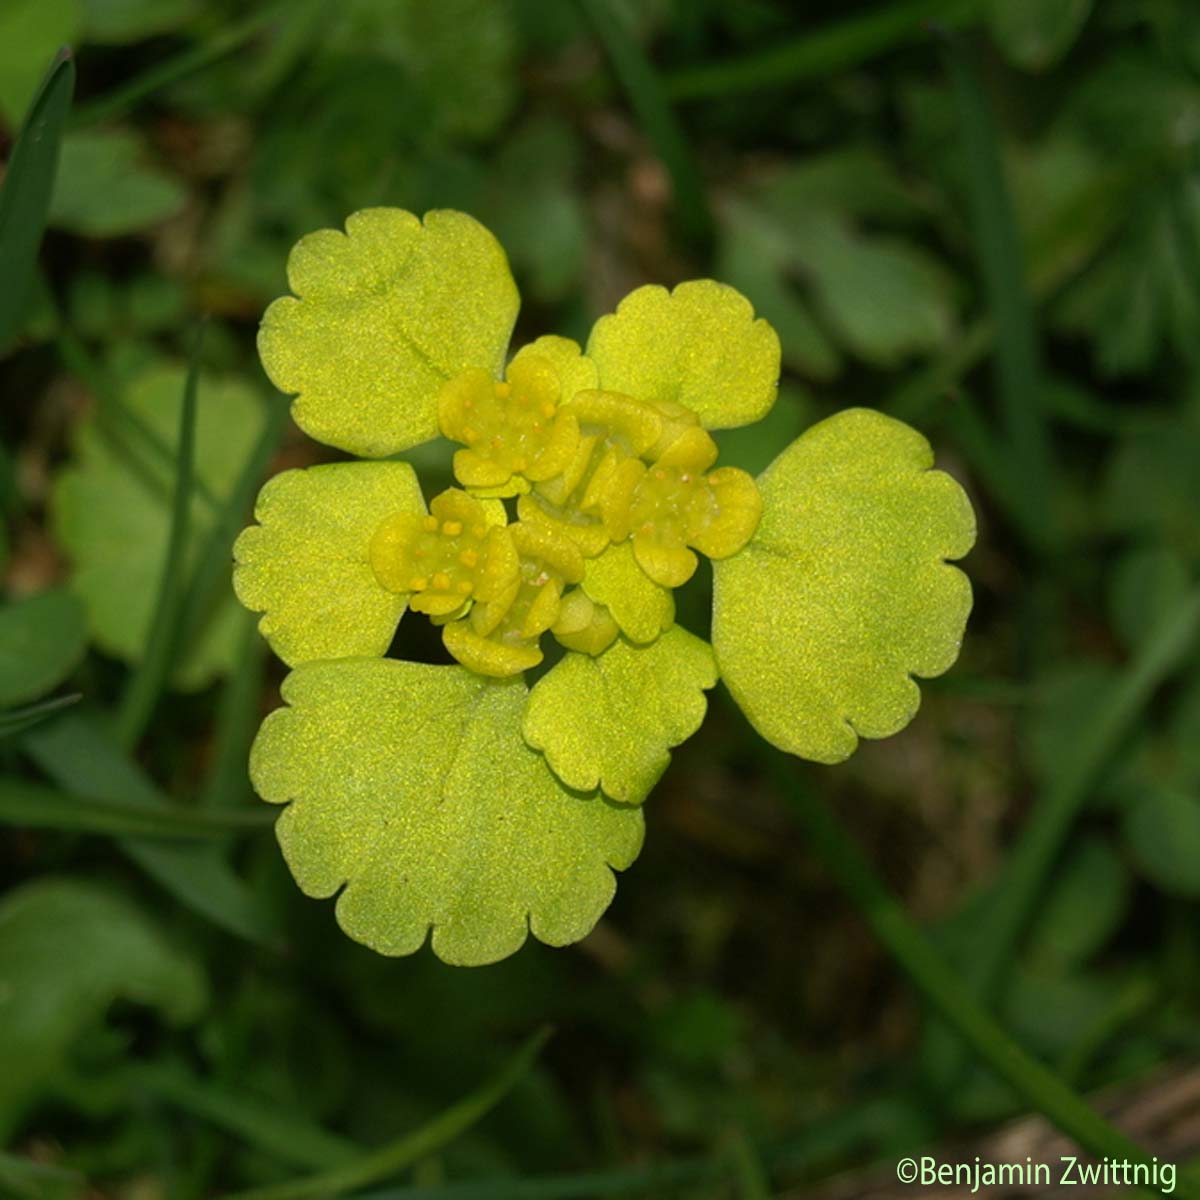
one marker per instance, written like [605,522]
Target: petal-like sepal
[845,592]
[698,346]
[306,566]
[610,721]
[411,791]
[383,315]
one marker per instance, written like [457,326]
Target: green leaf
[414,796]
[387,312]
[117,22]
[106,187]
[844,594]
[1147,584]
[111,513]
[641,608]
[610,721]
[306,566]
[27,185]
[31,32]
[42,639]
[1035,34]
[1085,903]
[83,759]
[698,345]
[1162,827]
[413,1147]
[68,949]
[27,1179]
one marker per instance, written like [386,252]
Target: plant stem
[943,988]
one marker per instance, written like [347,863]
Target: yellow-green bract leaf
[111,509]
[307,565]
[844,593]
[639,606]
[387,312]
[576,372]
[610,721]
[699,346]
[412,786]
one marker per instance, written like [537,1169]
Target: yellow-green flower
[454,801]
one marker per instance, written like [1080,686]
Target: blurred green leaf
[114,22]
[1085,903]
[31,32]
[68,949]
[1047,1011]
[82,759]
[26,190]
[25,1179]
[1162,828]
[111,513]
[1147,582]
[17,720]
[789,243]
[42,639]
[1035,34]
[107,187]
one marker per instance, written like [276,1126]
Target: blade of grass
[227,782]
[948,994]
[1017,359]
[289,1138]
[150,676]
[17,720]
[641,85]
[209,582]
[225,41]
[997,928]
[35,806]
[24,1179]
[25,193]
[124,430]
[823,52]
[84,760]
[428,1139]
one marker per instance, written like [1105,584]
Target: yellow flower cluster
[591,468]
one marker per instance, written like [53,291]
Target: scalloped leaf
[698,345]
[307,565]
[641,608]
[412,790]
[382,316]
[610,721]
[844,593]
[111,513]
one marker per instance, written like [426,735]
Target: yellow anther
[468,558]
[466,587]
[452,528]
[418,583]
[503,390]
[441,581]
[546,410]
[470,435]
[479,532]
[429,523]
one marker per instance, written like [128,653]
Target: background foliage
[983,217]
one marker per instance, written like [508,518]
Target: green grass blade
[119,103]
[997,929]
[35,806]
[25,194]
[948,993]
[24,1179]
[429,1138]
[1001,259]
[228,780]
[84,760]
[825,52]
[287,1137]
[17,720]
[150,677]
[209,583]
[649,100]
